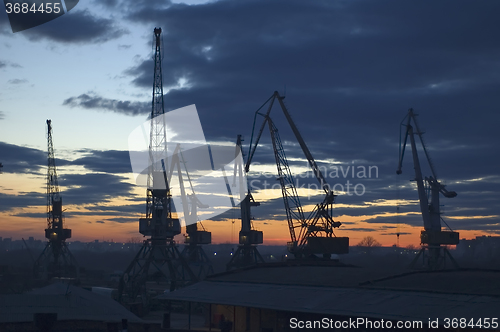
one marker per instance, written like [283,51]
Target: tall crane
[247,253]
[309,235]
[55,260]
[159,259]
[193,251]
[432,238]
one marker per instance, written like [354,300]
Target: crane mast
[158,201]
[309,235]
[433,238]
[56,260]
[247,253]
[54,202]
[159,259]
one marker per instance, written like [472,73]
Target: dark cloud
[122,220]
[127,5]
[10,202]
[350,76]
[94,188]
[20,159]
[107,3]
[361,229]
[110,161]
[4,64]
[130,209]
[77,27]
[17,81]
[91,188]
[2,115]
[21,200]
[378,204]
[35,215]
[94,101]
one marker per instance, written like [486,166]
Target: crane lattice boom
[313,234]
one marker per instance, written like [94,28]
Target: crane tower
[432,238]
[193,252]
[55,260]
[312,235]
[247,253]
[159,259]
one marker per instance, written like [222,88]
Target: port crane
[247,253]
[193,251]
[159,260]
[55,260]
[432,238]
[309,235]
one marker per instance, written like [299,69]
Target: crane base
[157,262]
[434,258]
[245,256]
[56,261]
[198,260]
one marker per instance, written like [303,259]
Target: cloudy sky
[350,71]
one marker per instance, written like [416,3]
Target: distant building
[480,248]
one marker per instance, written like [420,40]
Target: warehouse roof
[355,292]
[464,281]
[69,302]
[353,302]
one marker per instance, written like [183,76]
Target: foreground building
[290,298]
[63,307]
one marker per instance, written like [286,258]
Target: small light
[215,254]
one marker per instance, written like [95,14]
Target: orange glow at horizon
[98,226]
[87,229]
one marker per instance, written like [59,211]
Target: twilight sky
[350,69]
